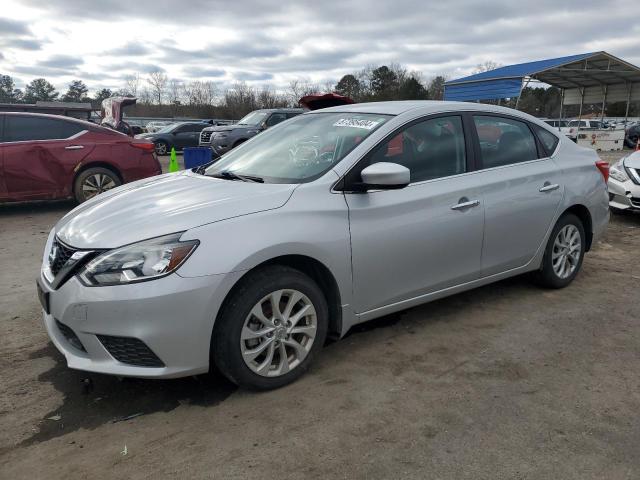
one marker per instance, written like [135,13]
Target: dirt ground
[506,381]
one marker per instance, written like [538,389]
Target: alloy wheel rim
[566,252]
[161,148]
[97,183]
[278,333]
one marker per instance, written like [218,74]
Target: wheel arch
[317,271]
[582,212]
[88,165]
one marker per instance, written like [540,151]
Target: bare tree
[131,84]
[158,82]
[175,91]
[300,87]
[269,98]
[486,66]
[145,96]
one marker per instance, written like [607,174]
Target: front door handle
[465,203]
[74,147]
[548,187]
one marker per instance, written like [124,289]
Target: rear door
[40,154]
[426,236]
[522,191]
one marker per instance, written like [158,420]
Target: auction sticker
[356,123]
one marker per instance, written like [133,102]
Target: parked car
[154,126]
[178,135]
[330,219]
[55,157]
[556,123]
[571,130]
[624,183]
[221,139]
[632,135]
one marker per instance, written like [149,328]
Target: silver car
[330,219]
[624,183]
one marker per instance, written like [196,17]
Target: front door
[427,236]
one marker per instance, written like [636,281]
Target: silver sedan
[330,219]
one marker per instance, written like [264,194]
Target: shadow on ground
[91,400]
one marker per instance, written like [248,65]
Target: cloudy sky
[272,42]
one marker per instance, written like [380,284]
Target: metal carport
[585,78]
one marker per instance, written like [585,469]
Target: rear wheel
[161,147]
[564,253]
[270,329]
[94,181]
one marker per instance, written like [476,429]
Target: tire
[162,148]
[237,319]
[564,272]
[94,181]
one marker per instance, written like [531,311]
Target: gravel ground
[506,381]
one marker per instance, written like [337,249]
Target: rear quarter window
[549,140]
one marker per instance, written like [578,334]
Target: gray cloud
[62,62]
[279,40]
[13,27]
[131,49]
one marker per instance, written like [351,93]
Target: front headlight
[617,172]
[138,262]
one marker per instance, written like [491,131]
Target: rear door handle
[464,203]
[548,187]
[74,147]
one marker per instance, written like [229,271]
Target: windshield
[167,128]
[253,118]
[301,149]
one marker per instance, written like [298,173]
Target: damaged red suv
[53,157]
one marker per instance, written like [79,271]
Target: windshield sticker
[356,123]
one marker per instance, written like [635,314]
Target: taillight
[143,145]
[604,169]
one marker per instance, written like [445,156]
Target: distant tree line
[160,96]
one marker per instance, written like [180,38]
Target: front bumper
[172,316]
[623,195]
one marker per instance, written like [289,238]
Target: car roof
[284,110]
[57,117]
[424,107]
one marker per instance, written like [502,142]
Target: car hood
[633,160]
[228,128]
[164,204]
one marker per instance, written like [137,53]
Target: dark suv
[221,139]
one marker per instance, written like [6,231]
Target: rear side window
[430,149]
[276,118]
[548,139]
[504,141]
[24,128]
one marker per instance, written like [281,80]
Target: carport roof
[575,71]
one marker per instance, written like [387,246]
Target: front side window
[300,150]
[276,118]
[18,128]
[430,149]
[504,141]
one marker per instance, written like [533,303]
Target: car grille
[205,136]
[131,351]
[634,174]
[59,256]
[70,335]
[635,201]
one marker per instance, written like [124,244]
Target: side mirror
[385,176]
[263,125]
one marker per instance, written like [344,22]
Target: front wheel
[564,253]
[270,329]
